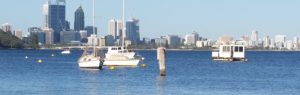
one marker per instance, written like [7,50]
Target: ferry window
[228,48]
[224,48]
[236,49]
[119,48]
[241,49]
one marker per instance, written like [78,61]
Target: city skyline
[210,19]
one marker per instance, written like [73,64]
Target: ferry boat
[120,56]
[229,53]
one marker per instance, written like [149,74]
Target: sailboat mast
[124,23]
[93,17]
[93,42]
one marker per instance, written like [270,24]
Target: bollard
[161,54]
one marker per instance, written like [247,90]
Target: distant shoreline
[258,50]
[210,50]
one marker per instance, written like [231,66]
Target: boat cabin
[118,50]
[229,53]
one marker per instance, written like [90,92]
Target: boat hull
[132,62]
[66,52]
[89,64]
[89,61]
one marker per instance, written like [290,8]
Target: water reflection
[161,83]
[89,81]
[89,69]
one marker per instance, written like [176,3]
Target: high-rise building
[133,31]
[197,37]
[79,19]
[102,42]
[18,33]
[6,27]
[93,40]
[280,41]
[190,39]
[67,28]
[296,42]
[266,42]
[54,12]
[173,41]
[162,41]
[89,30]
[40,34]
[119,29]
[254,39]
[69,36]
[114,28]
[280,38]
[109,40]
[49,36]
[254,36]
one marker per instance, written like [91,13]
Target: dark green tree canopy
[7,40]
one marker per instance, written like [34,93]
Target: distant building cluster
[279,42]
[56,30]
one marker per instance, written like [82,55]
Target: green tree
[34,41]
[7,40]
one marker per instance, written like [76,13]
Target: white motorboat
[66,52]
[119,56]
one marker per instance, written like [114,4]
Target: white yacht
[90,60]
[229,53]
[120,56]
[67,51]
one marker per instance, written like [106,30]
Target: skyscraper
[49,35]
[89,30]
[79,19]
[39,32]
[266,42]
[191,39]
[6,27]
[54,12]
[280,40]
[173,41]
[133,31]
[254,36]
[115,28]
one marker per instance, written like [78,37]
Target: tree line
[8,40]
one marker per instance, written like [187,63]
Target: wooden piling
[161,54]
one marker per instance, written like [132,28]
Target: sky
[210,18]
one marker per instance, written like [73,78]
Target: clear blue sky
[210,18]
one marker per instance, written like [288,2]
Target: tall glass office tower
[55,17]
[79,19]
[133,31]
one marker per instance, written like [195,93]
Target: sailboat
[90,59]
[119,55]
